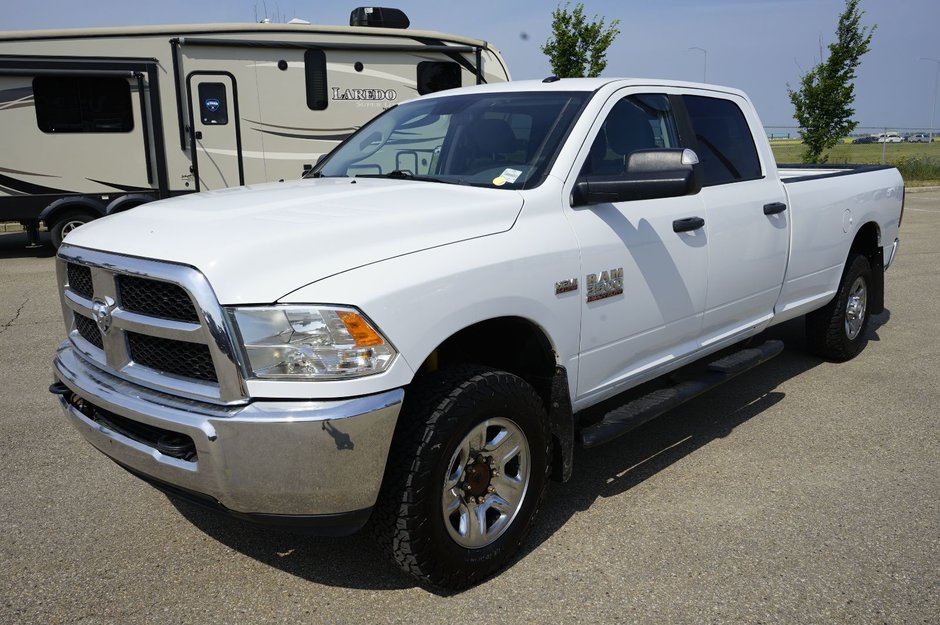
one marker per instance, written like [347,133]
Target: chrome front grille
[153,323]
[80,279]
[190,360]
[156,298]
[88,330]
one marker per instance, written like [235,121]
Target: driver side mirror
[650,174]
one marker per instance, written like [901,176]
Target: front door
[644,286]
[216,149]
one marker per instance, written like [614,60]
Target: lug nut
[491,489]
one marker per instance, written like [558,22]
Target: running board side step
[631,415]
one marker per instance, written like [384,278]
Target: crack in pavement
[19,311]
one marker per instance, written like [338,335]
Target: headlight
[307,342]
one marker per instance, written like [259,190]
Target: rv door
[214,132]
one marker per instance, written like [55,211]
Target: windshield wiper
[404,174]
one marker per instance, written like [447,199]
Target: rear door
[215,130]
[748,219]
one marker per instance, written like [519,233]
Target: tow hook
[58,388]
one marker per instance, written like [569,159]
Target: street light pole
[936,82]
[704,62]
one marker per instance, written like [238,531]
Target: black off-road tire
[66,223]
[439,412]
[827,334]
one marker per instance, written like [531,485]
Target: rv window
[437,76]
[83,104]
[315,68]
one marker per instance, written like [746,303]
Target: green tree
[577,47]
[824,100]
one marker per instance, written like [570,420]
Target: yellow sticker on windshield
[499,181]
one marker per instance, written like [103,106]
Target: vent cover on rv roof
[379,17]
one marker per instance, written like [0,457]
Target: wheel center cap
[854,308]
[478,478]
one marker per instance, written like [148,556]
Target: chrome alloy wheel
[855,308]
[486,483]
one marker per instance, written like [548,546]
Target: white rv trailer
[96,121]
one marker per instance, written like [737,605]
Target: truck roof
[235,28]
[593,84]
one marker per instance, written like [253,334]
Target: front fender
[420,300]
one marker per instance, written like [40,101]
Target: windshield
[496,140]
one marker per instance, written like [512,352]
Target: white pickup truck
[410,336]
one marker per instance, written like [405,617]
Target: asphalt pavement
[802,492]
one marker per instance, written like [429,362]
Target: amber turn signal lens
[361,331]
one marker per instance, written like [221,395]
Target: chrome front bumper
[264,458]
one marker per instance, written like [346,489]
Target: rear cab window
[726,147]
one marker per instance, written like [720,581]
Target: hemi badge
[566,286]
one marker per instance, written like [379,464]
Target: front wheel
[466,475]
[837,331]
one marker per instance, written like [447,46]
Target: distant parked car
[919,138]
[888,137]
[867,139]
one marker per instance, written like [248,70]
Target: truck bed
[797,172]
[825,209]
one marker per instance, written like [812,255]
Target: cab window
[725,146]
[637,122]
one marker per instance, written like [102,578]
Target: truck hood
[258,243]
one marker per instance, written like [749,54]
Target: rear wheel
[466,475]
[68,222]
[837,331]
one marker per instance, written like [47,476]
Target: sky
[755,45]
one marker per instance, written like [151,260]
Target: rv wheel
[66,223]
